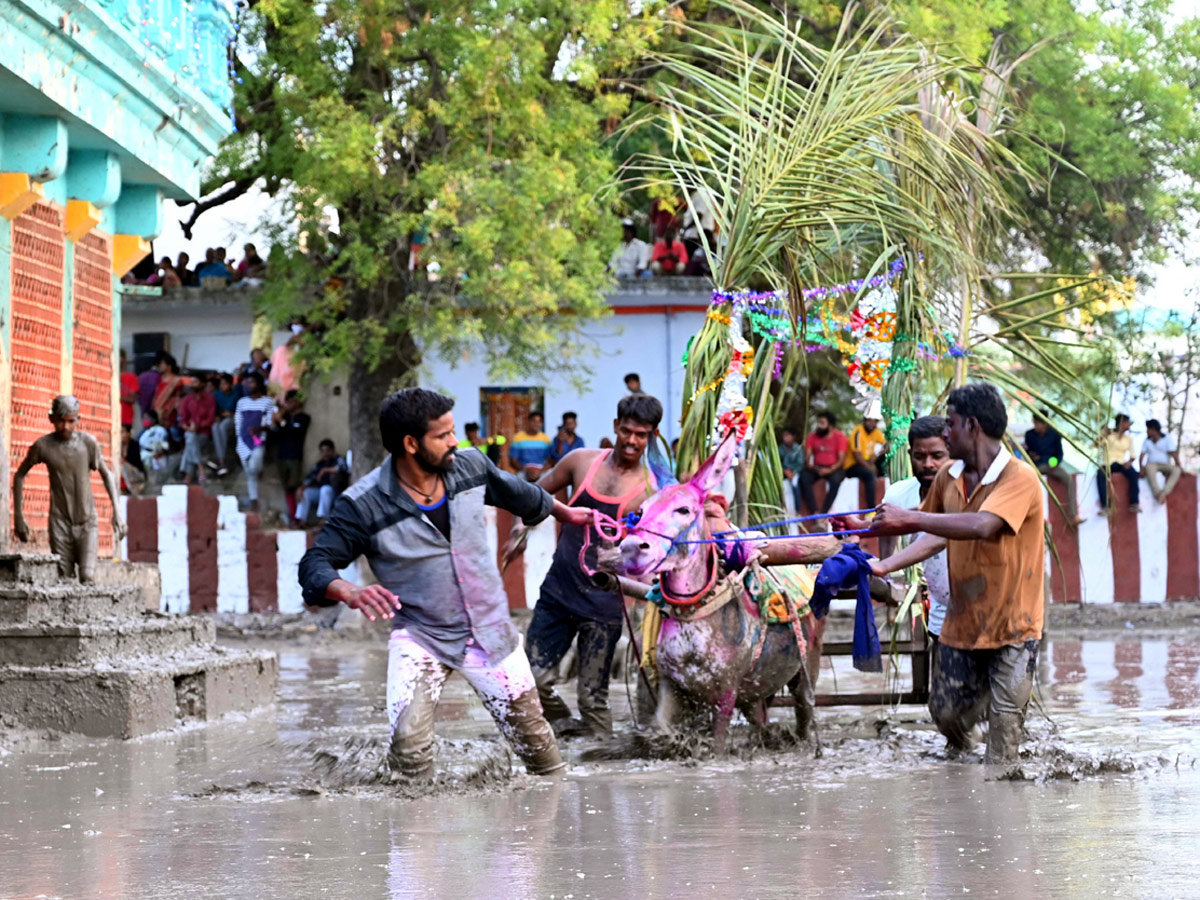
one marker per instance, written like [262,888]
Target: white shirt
[1159,451]
[628,259]
[701,204]
[907,494]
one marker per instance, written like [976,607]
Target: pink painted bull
[714,648]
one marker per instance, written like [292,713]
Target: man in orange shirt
[988,506]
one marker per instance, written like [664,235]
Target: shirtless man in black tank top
[615,482]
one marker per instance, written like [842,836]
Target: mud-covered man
[569,606]
[988,506]
[419,521]
[70,456]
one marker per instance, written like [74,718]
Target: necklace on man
[428,495]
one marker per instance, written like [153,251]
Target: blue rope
[798,520]
[769,537]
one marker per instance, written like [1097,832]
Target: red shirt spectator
[129,393]
[198,409]
[669,255]
[827,449]
[663,215]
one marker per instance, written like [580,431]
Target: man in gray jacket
[419,520]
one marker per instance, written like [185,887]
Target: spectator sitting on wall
[825,450]
[133,472]
[1159,454]
[669,256]
[149,379]
[791,460]
[328,478]
[698,266]
[226,397]
[633,383]
[197,413]
[566,440]
[186,276]
[153,442]
[1045,448]
[216,268]
[865,452]
[1117,447]
[664,215]
[529,451]
[252,419]
[284,373]
[128,384]
[165,275]
[167,396]
[258,365]
[253,268]
[291,428]
[489,446]
[631,259]
[698,218]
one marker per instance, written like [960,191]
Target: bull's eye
[683,511]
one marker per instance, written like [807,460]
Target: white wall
[651,345]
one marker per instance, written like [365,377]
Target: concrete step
[63,644]
[138,696]
[28,568]
[67,603]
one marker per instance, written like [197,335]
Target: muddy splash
[356,766]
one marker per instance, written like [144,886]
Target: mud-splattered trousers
[414,686]
[553,628]
[971,684]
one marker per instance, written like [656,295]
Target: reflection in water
[883,825]
[1068,670]
[1183,662]
[1127,659]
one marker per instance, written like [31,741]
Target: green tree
[472,133]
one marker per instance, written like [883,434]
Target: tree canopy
[444,175]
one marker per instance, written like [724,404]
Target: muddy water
[285,803]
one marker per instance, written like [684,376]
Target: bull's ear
[710,475]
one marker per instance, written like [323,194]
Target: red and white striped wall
[213,558]
[1151,557]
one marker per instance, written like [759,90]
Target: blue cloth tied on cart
[851,568]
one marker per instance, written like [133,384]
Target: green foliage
[1104,110]
[475,129]
[821,163]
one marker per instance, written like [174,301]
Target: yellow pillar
[81,218]
[18,192]
[128,251]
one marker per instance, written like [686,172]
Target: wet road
[882,814]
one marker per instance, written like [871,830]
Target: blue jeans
[1130,475]
[322,497]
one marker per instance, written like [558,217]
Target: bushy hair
[409,412]
[981,402]
[828,417]
[926,427]
[640,408]
[1153,425]
[257,378]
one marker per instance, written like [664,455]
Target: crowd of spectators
[677,235]
[185,427]
[216,268]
